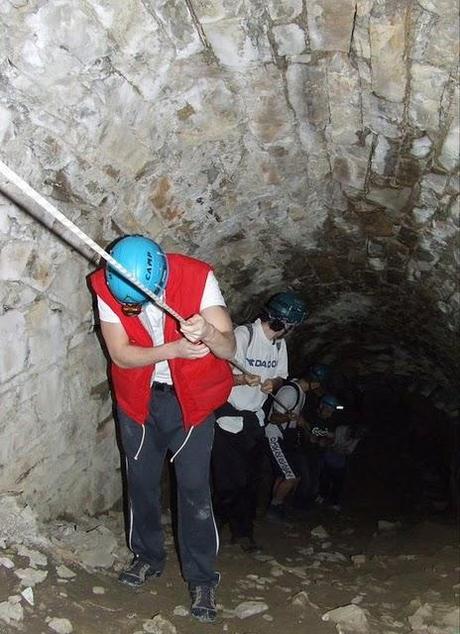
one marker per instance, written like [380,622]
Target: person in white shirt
[239,438]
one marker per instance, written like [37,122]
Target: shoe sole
[131,584]
[251,549]
[204,619]
[137,584]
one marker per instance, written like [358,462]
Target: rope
[12,177]
[68,224]
[244,371]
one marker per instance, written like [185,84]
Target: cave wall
[301,143]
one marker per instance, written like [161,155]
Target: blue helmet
[328,400]
[287,307]
[145,260]
[319,372]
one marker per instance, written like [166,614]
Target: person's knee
[193,482]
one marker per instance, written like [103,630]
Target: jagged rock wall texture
[309,143]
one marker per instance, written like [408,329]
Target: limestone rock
[332,557]
[14,358]
[6,563]
[441,7]
[351,619]
[301,599]
[344,102]
[417,620]
[250,608]
[11,611]
[448,157]
[61,626]
[330,24]
[159,625]
[65,573]
[350,165]
[452,617]
[390,198]
[36,558]
[31,576]
[358,560]
[233,45]
[387,38]
[290,39]
[284,9]
[421,147]
[319,532]
[385,525]
[428,84]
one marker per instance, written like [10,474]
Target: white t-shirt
[288,395]
[261,356]
[344,443]
[152,317]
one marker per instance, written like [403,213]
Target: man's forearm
[221,344]
[279,418]
[239,379]
[131,356]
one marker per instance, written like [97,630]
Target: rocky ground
[321,574]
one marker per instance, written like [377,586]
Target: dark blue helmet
[328,400]
[319,372]
[287,307]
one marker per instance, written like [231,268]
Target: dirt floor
[408,582]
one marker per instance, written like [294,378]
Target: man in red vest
[167,381]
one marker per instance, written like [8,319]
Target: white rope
[12,177]
[239,367]
[53,211]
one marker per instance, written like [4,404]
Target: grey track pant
[145,449]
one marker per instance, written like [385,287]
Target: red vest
[201,385]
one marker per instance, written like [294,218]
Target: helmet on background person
[287,308]
[146,261]
[319,372]
[328,400]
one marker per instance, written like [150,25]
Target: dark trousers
[313,453]
[303,495]
[145,448]
[236,468]
[332,476]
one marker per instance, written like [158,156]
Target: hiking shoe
[276,513]
[247,544]
[137,573]
[203,603]
[336,507]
